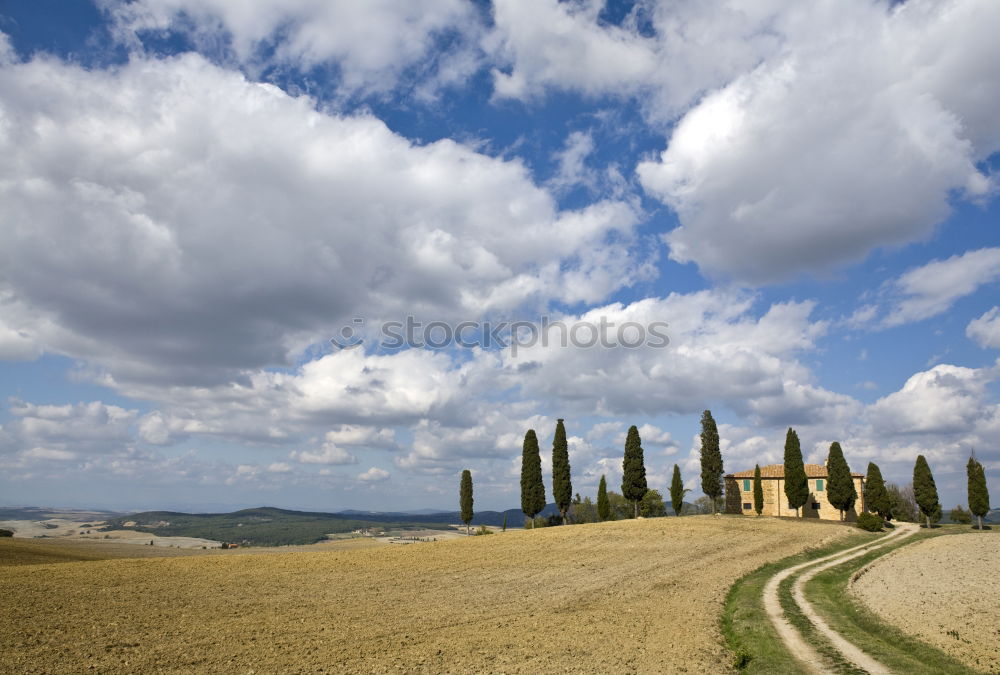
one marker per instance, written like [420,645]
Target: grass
[890,646]
[757,647]
[755,644]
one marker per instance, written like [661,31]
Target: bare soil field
[633,596]
[943,591]
[15,551]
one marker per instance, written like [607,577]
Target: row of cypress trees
[841,491]
[634,484]
[533,488]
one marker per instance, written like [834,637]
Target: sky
[196,196]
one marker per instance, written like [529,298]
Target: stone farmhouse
[739,493]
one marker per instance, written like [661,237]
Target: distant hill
[264,526]
[514,516]
[269,526]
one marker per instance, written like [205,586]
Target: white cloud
[693,47]
[17,341]
[933,288]
[572,159]
[328,453]
[945,399]
[986,329]
[374,475]
[852,136]
[7,54]
[551,43]
[48,454]
[374,43]
[279,467]
[95,425]
[808,134]
[143,173]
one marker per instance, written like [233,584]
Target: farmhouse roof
[778,471]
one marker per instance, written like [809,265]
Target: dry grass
[635,596]
[942,590]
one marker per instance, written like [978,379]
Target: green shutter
[819,485]
[746,485]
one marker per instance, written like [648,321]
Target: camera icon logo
[349,337]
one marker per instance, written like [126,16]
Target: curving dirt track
[796,644]
[943,591]
[634,596]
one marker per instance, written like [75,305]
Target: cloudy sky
[196,195]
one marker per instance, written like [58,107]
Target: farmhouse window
[819,485]
[815,506]
[746,485]
[746,506]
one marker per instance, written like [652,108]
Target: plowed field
[633,596]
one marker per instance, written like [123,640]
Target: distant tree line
[887,501]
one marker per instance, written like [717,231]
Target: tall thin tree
[979,496]
[711,459]
[924,489]
[677,491]
[796,482]
[562,486]
[532,487]
[877,498]
[603,503]
[758,491]
[465,499]
[840,489]
[633,470]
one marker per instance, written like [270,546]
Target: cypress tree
[677,491]
[465,499]
[532,487]
[796,483]
[876,496]
[924,489]
[562,487]
[711,459]
[603,505]
[633,470]
[758,491]
[840,488]
[979,496]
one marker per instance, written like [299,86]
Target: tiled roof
[778,471]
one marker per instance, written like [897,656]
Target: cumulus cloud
[944,399]
[815,157]
[372,43]
[374,475]
[328,453]
[94,426]
[549,43]
[986,329]
[933,288]
[146,172]
[791,153]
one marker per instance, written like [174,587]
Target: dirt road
[796,644]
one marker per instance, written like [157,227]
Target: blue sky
[196,196]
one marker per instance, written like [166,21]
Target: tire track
[792,638]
